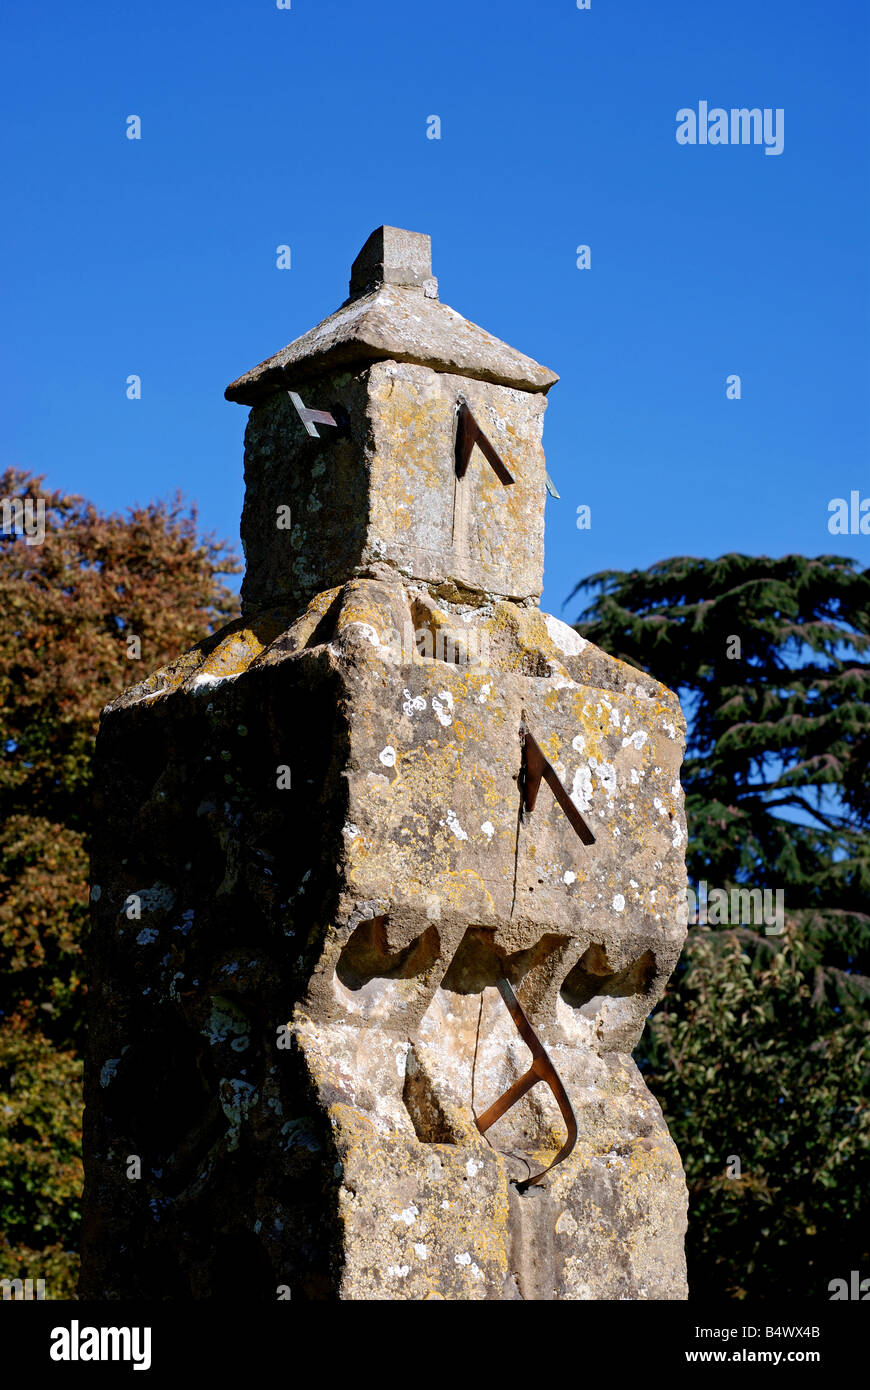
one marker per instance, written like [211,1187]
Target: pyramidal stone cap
[393,314]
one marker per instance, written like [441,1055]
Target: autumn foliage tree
[100,602]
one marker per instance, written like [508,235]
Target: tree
[758,1051]
[89,610]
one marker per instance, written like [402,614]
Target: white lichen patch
[581,788]
[618,902]
[160,896]
[637,739]
[206,679]
[453,824]
[408,1215]
[412,704]
[606,774]
[388,756]
[442,704]
[108,1069]
[237,1098]
[227,1023]
[186,922]
[563,636]
[488,829]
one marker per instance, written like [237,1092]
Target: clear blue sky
[308,127]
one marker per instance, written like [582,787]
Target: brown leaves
[68,607]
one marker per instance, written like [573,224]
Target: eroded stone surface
[371,908]
[385,491]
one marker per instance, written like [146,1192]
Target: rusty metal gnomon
[542,1069]
[469,433]
[535,768]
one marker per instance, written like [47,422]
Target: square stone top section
[385,491]
[393,314]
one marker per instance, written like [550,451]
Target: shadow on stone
[367,955]
[479,964]
[593,980]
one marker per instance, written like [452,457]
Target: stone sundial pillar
[315,867]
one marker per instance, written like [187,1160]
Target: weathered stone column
[312,867]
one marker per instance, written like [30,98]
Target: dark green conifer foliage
[759,1050]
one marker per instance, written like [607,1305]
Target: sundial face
[469,433]
[438,476]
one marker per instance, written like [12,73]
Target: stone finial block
[392,256]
